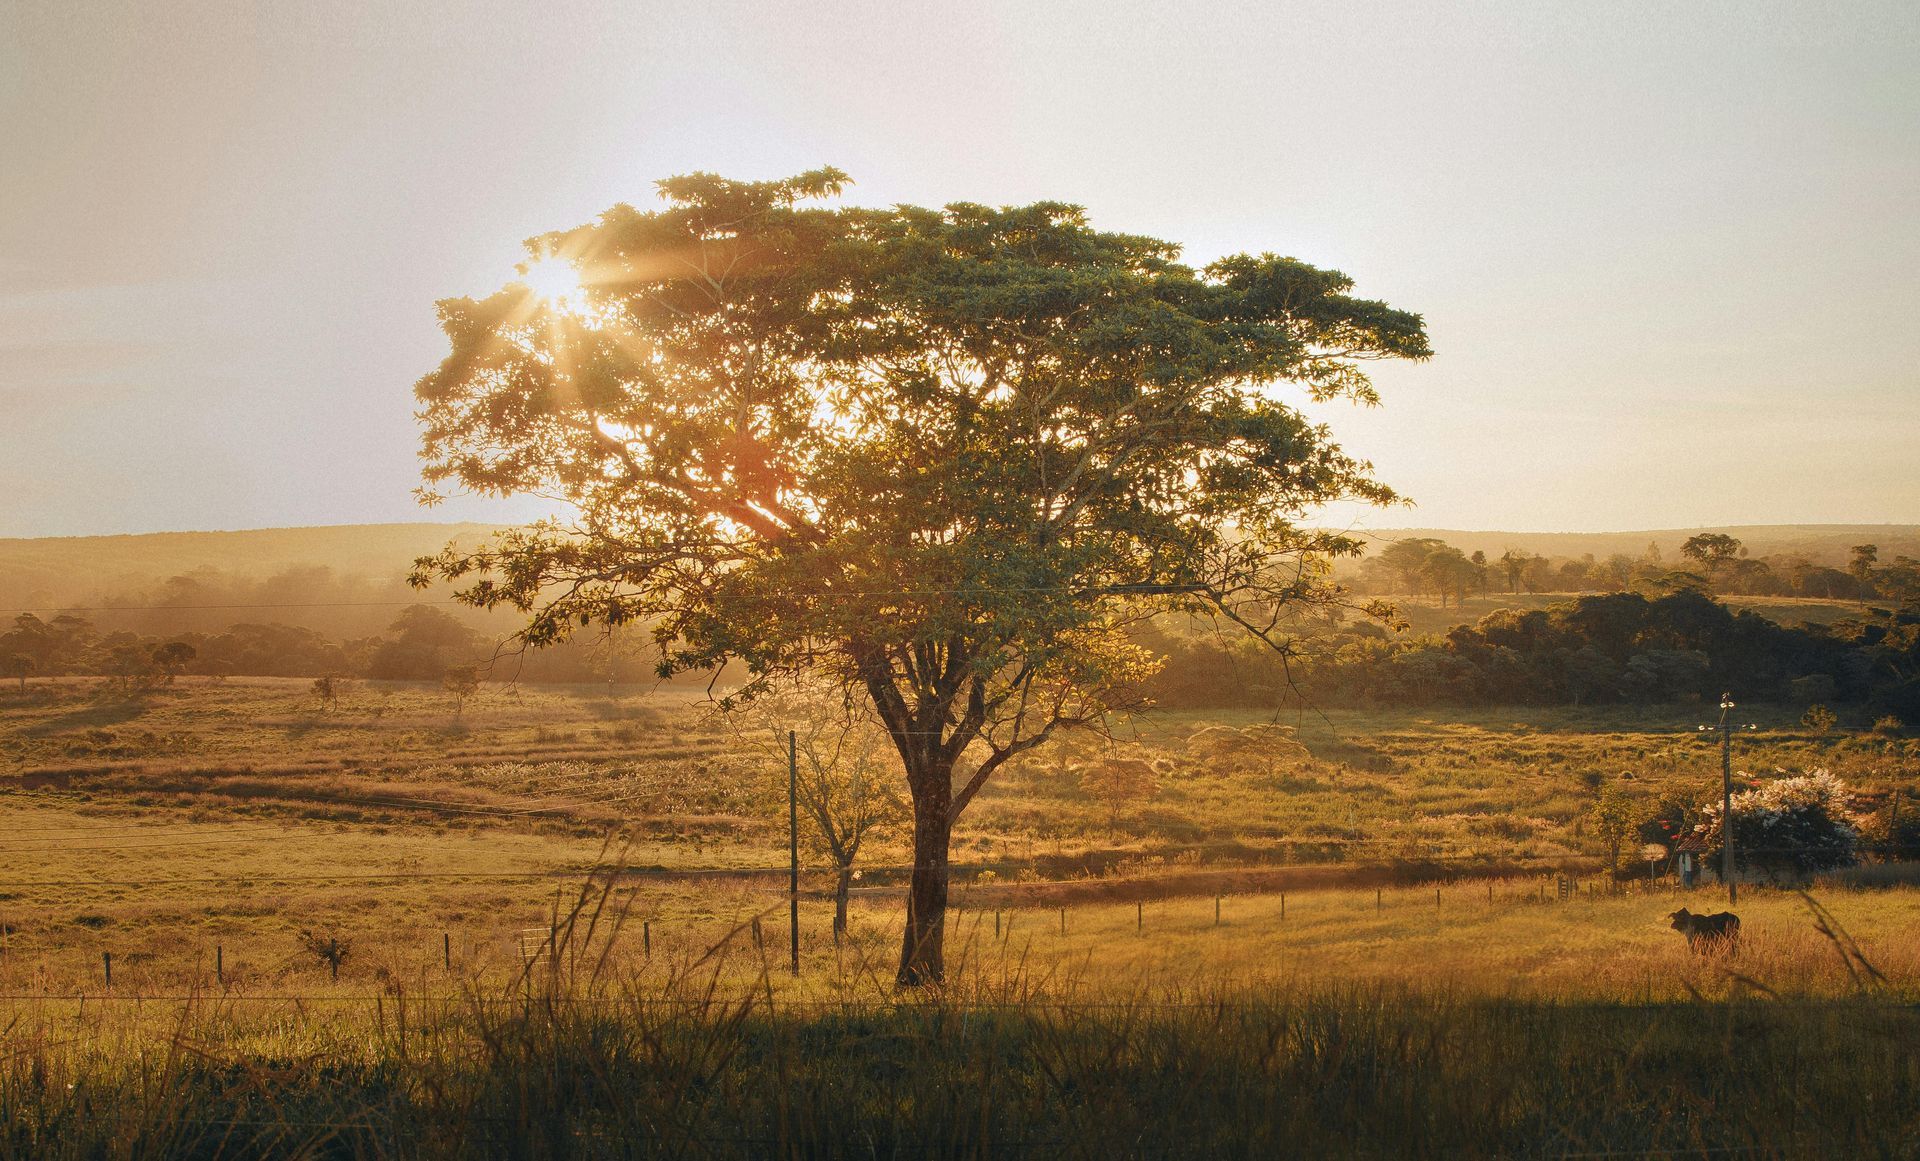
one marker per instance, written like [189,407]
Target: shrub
[1819,719]
[326,946]
[1795,825]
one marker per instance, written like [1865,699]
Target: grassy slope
[1332,1020]
[250,786]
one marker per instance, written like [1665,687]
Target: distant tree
[172,658]
[1900,581]
[423,641]
[73,640]
[1408,559]
[327,689]
[1712,551]
[945,457]
[462,681]
[1616,571]
[1860,561]
[130,667]
[1537,574]
[1514,563]
[18,665]
[62,645]
[1447,571]
[1482,572]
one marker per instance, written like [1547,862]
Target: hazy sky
[1668,253]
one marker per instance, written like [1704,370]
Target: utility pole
[1726,797]
[1725,726]
[793,848]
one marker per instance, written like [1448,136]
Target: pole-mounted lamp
[1725,726]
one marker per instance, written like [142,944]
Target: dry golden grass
[231,815]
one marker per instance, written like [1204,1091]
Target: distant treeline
[1710,562]
[1612,647]
[422,644]
[1621,646]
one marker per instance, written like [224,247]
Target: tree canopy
[943,456]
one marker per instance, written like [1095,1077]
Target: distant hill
[349,578]
[60,565]
[1821,543]
[298,576]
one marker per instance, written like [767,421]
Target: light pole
[1725,726]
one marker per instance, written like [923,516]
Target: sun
[557,281]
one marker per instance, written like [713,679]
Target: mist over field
[338,579]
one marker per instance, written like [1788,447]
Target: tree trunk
[840,888]
[922,946]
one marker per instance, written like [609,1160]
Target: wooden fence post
[106,961]
[1216,910]
[446,949]
[646,938]
[1139,915]
[219,964]
[1376,899]
[1063,921]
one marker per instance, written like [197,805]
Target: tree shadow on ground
[96,715]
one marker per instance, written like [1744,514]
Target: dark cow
[1707,933]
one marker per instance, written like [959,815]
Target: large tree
[942,457]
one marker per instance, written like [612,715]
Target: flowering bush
[1794,825]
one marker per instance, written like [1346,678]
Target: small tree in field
[462,681]
[1119,780]
[1613,822]
[326,688]
[18,666]
[839,770]
[942,459]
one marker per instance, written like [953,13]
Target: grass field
[1358,928]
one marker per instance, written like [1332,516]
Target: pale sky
[1669,254]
